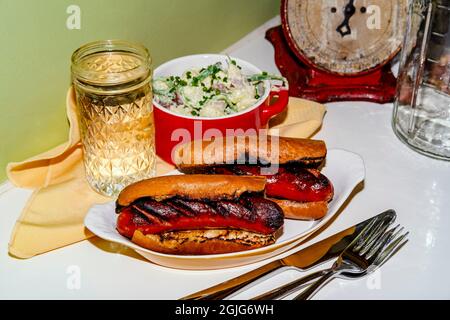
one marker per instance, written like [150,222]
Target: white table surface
[417,187]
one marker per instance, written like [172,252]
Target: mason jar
[112,82]
[421,116]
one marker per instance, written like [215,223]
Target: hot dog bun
[200,242]
[196,186]
[302,210]
[191,156]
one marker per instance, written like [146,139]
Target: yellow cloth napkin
[54,214]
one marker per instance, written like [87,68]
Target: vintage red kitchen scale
[332,50]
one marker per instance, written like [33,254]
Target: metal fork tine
[375,240]
[390,249]
[367,234]
[392,252]
[398,232]
[373,234]
[364,234]
[384,240]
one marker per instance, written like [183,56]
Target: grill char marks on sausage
[192,208]
[303,185]
[291,182]
[250,212]
[263,209]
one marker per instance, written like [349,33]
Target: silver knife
[304,259]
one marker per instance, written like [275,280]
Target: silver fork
[371,240]
[362,259]
[373,230]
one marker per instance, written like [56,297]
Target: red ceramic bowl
[171,128]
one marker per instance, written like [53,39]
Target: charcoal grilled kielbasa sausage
[199,214]
[250,212]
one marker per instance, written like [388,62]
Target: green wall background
[36,47]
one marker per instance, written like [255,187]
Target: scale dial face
[345,36]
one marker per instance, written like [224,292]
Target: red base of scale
[314,84]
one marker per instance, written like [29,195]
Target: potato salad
[214,91]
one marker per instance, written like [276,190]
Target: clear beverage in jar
[114,99]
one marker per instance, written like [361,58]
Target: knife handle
[226,288]
[312,289]
[291,287]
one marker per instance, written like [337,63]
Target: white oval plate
[344,169]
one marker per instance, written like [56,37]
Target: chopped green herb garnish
[224,90]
